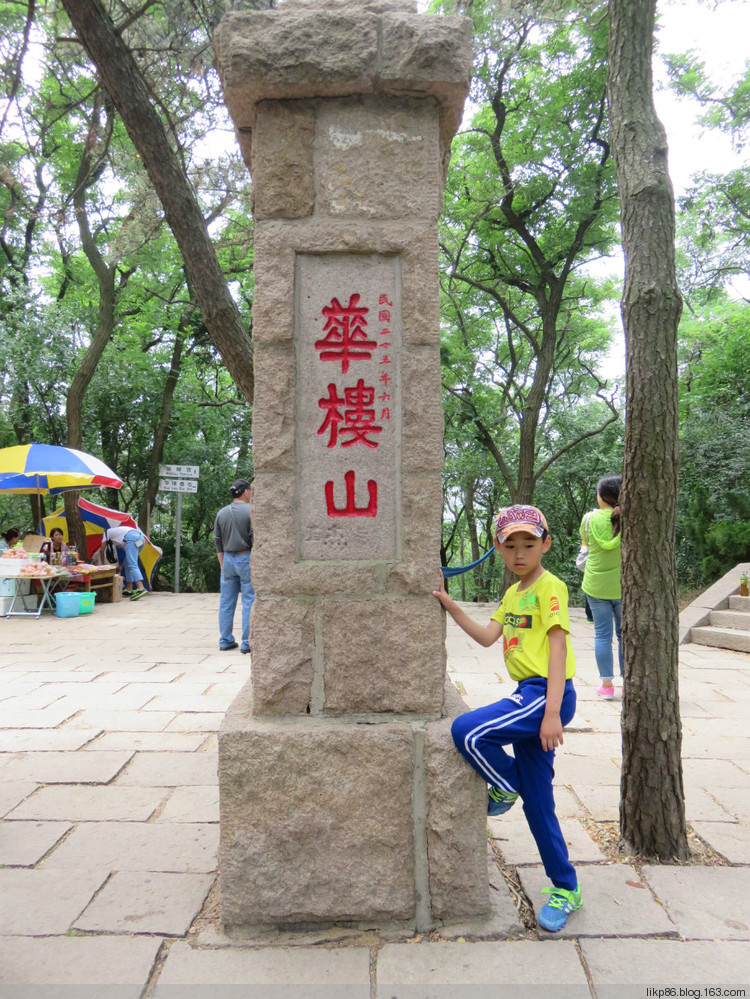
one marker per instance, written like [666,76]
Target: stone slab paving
[146,902]
[98,719]
[14,740]
[148,742]
[517,844]
[191,804]
[349,966]
[734,800]
[14,792]
[42,903]
[138,846]
[655,962]
[23,844]
[495,963]
[601,801]
[109,828]
[95,961]
[170,770]
[616,902]
[63,768]
[704,903]
[90,803]
[731,840]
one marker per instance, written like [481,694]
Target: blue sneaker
[554,915]
[500,801]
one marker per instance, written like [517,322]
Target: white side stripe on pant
[498,723]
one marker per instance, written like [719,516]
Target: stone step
[740,604]
[722,638]
[736,619]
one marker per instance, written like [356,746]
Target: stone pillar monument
[342,797]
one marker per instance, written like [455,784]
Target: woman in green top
[600,530]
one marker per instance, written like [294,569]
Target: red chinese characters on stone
[351,419]
[357,421]
[351,509]
[334,416]
[345,339]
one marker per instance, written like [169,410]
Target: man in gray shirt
[233,536]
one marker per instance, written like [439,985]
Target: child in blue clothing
[533,622]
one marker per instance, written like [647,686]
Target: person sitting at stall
[53,544]
[11,538]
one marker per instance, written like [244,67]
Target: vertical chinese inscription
[348,417]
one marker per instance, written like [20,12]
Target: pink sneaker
[606,692]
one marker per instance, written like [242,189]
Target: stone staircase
[727,629]
[720,617]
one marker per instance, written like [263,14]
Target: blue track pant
[481,736]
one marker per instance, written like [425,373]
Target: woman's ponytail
[615,521]
[609,490]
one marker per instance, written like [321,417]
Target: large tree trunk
[105,274]
[122,79]
[652,808]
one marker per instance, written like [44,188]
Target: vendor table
[102,581]
[45,583]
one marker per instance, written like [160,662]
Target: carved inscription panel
[348,416]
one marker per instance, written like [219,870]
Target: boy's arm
[551,730]
[485,635]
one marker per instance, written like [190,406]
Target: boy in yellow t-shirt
[533,622]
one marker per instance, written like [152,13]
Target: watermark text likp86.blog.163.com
[694,992]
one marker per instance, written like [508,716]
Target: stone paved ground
[109,830]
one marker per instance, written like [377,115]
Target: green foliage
[75,203]
[726,108]
[714,440]
[530,198]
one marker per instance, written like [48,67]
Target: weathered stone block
[423,420]
[418,572]
[273,305]
[383,655]
[378,158]
[294,54]
[283,639]
[316,822]
[282,160]
[273,526]
[275,381]
[429,55]
[432,54]
[420,287]
[456,824]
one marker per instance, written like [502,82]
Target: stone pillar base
[358,821]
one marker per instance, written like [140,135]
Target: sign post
[178,479]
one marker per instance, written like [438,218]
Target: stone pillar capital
[309,50]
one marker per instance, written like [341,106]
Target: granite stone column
[342,797]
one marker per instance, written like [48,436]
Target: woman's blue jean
[134,541]
[606,614]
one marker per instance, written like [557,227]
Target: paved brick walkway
[109,830]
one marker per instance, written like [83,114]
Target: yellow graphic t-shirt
[526,618]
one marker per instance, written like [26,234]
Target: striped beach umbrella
[47,469]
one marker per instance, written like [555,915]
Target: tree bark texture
[162,429]
[101,335]
[652,807]
[124,82]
